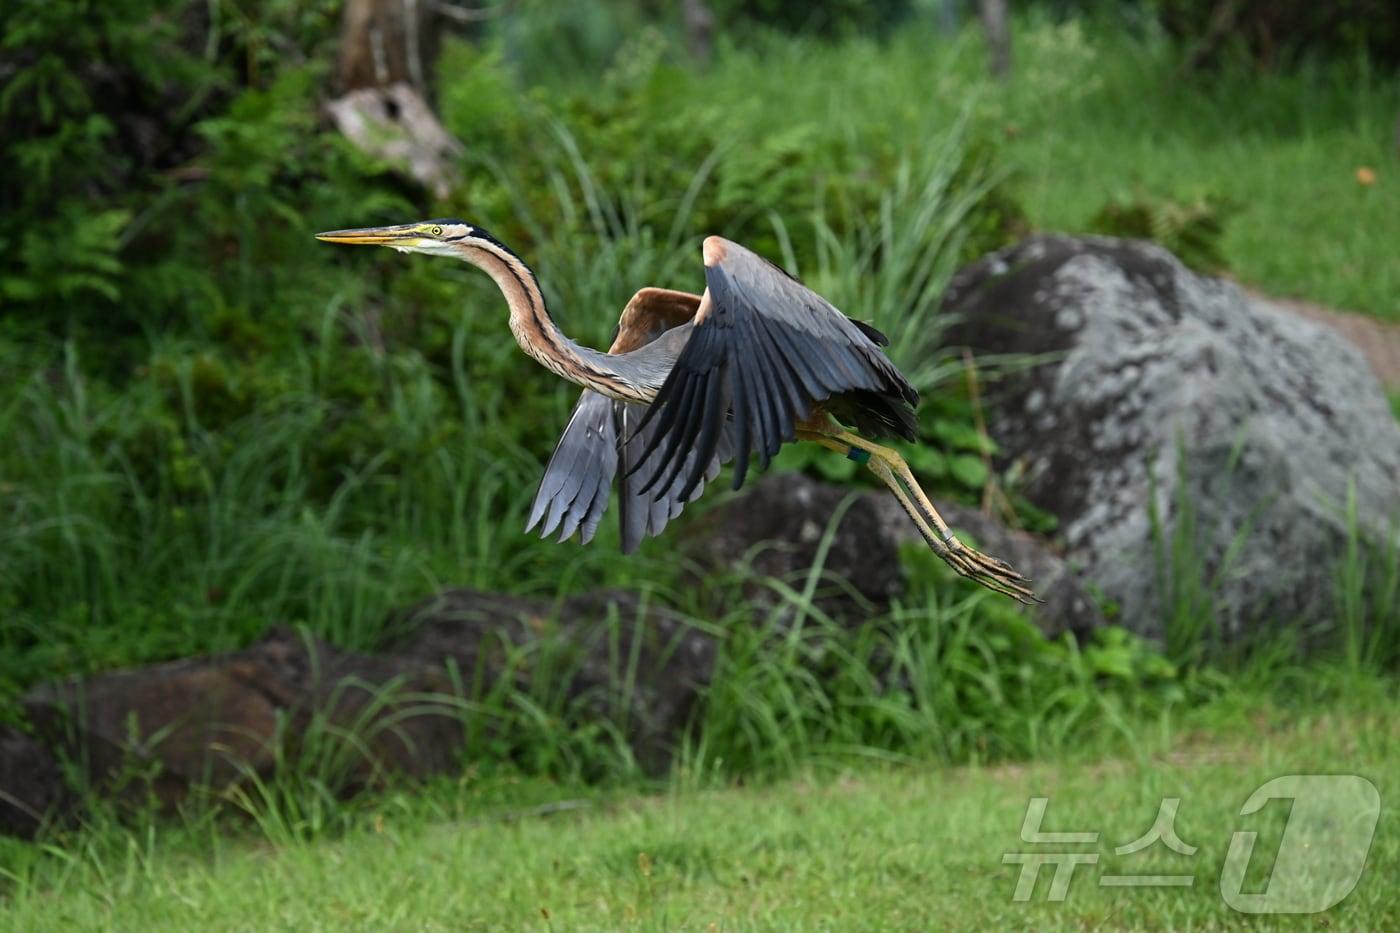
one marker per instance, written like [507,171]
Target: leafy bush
[103,119]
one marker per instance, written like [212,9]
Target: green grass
[1093,114]
[1090,117]
[876,848]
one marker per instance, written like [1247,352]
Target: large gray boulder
[774,530]
[1151,372]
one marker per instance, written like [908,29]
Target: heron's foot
[991,572]
[996,575]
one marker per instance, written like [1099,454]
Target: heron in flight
[694,381]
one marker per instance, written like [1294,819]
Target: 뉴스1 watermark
[1319,859]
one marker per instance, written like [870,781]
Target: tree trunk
[699,28]
[998,29]
[384,42]
[385,60]
[947,15]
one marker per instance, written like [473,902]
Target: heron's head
[442,237]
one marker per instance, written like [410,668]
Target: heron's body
[694,381]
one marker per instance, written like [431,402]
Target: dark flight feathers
[765,351]
[573,493]
[574,490]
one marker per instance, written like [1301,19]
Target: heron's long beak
[373,236]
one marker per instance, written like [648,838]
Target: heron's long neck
[536,331]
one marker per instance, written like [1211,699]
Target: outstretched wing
[602,433]
[573,492]
[645,510]
[764,350]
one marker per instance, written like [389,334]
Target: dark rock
[294,701]
[776,527]
[592,642]
[1153,372]
[210,721]
[32,790]
[773,532]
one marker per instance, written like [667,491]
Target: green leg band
[858,455]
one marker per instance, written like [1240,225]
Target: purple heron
[694,381]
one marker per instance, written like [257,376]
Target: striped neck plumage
[534,330]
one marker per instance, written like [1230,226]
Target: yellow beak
[372,236]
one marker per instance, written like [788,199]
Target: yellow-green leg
[891,469]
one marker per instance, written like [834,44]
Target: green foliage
[101,118]
[214,422]
[730,167]
[553,42]
[1367,598]
[209,409]
[1187,588]
[1194,230]
[86,267]
[1095,109]
[961,679]
[58,136]
[205,242]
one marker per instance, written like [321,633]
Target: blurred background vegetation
[213,422]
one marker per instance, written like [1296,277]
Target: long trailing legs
[891,469]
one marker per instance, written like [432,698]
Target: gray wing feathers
[574,490]
[644,512]
[573,493]
[763,353]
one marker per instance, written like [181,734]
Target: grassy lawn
[1093,114]
[1282,150]
[875,848]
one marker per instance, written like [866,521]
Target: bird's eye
[435,230]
